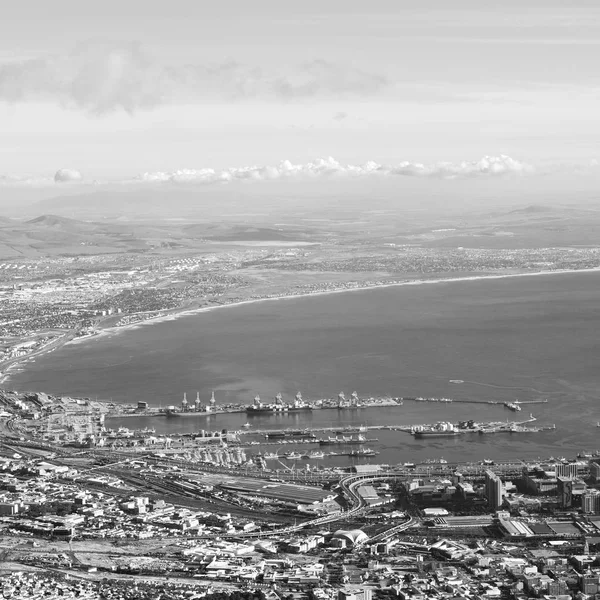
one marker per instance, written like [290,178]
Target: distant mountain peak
[532,209]
[54,221]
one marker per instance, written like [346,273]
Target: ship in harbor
[279,406]
[514,406]
[292,456]
[314,455]
[196,408]
[292,433]
[354,401]
[360,453]
[330,441]
[441,429]
[351,430]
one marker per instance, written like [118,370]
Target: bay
[528,338]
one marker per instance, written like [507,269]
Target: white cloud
[100,78]
[24,181]
[322,168]
[66,175]
[329,167]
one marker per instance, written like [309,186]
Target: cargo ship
[350,430]
[435,434]
[313,455]
[435,431]
[360,453]
[363,452]
[354,401]
[360,439]
[278,407]
[279,435]
[514,406]
[193,409]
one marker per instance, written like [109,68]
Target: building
[9,508]
[566,470]
[565,491]
[364,594]
[589,583]
[494,490]
[353,537]
[590,502]
[595,471]
[538,481]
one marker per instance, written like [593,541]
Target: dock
[190,410]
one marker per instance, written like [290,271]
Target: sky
[147,89]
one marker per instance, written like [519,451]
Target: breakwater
[128,410]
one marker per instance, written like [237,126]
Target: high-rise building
[595,471]
[565,492]
[568,470]
[494,490]
[590,502]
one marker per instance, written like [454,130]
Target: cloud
[24,181]
[488,165]
[322,168]
[66,175]
[100,78]
[329,167]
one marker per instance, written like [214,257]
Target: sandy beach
[178,313]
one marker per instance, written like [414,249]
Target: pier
[189,410]
[484,427]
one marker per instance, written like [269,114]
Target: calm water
[527,338]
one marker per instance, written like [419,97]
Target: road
[348,486]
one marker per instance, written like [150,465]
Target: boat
[292,456]
[346,430]
[147,431]
[279,406]
[343,403]
[409,465]
[435,434]
[313,455]
[301,433]
[278,435]
[436,461]
[514,406]
[359,439]
[246,425]
[360,452]
[438,430]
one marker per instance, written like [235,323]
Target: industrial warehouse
[281,492]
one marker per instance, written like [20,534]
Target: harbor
[247,447]
[499,431]
[279,406]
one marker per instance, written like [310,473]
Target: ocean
[528,338]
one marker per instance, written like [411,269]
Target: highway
[348,485]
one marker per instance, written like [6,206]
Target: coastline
[184,312]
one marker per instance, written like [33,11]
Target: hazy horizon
[117,91]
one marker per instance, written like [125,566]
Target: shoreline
[185,312]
